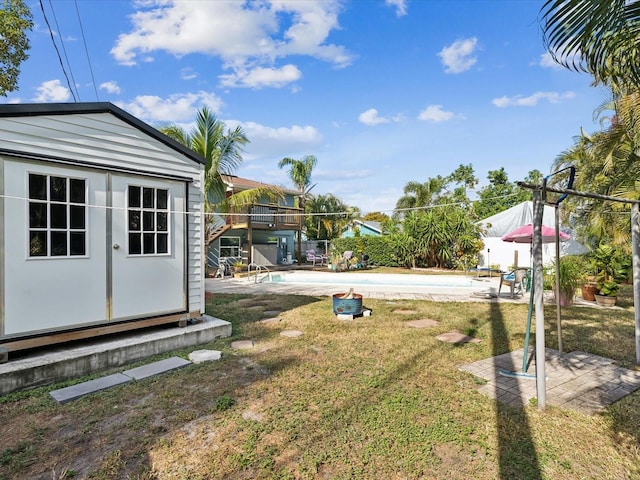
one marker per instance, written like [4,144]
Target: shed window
[230,247]
[57,216]
[148,220]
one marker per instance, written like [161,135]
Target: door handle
[116,246]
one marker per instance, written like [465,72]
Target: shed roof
[33,109]
[241,183]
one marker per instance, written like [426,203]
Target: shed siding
[105,141]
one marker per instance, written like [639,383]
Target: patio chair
[313,257]
[513,280]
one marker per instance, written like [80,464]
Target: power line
[86,50]
[55,18]
[57,51]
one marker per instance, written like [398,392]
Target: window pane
[134,196]
[37,244]
[149,240]
[77,220]
[58,244]
[162,199]
[163,243]
[161,218]
[58,215]
[77,192]
[58,189]
[147,222]
[77,243]
[147,198]
[37,215]
[134,244]
[37,187]
[134,220]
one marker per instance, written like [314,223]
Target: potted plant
[237,266]
[570,273]
[609,273]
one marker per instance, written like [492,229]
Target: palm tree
[300,174]
[223,154]
[418,194]
[596,36]
[327,217]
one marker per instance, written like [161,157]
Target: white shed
[101,220]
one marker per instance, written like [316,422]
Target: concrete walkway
[577,380]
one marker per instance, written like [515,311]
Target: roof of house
[375,226]
[245,184]
[33,109]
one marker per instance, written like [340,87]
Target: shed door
[147,254]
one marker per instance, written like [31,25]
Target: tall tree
[327,217]
[418,194]
[223,154]
[597,36]
[15,22]
[300,173]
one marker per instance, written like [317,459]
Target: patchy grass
[368,398]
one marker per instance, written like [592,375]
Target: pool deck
[388,292]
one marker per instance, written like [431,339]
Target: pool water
[372,279]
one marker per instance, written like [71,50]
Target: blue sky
[381,92]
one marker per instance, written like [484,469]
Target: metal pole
[635,240]
[558,280]
[541,386]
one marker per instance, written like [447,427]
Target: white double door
[113,280]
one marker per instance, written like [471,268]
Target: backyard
[367,398]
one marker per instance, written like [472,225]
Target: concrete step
[60,363]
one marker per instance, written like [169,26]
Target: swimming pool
[375,280]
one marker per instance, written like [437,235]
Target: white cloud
[110,87]
[435,113]
[371,117]
[245,35]
[399,5]
[52,91]
[458,57]
[260,77]
[181,107]
[532,100]
[280,142]
[547,61]
[187,74]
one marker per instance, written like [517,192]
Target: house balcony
[266,217]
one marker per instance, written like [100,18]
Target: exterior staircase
[216,231]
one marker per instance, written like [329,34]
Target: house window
[230,247]
[148,220]
[57,216]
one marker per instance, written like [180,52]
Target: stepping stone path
[201,356]
[271,320]
[291,333]
[242,344]
[256,307]
[405,312]
[424,323]
[271,313]
[457,337]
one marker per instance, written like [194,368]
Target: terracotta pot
[605,301]
[566,300]
[589,292]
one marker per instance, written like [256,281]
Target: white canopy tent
[498,252]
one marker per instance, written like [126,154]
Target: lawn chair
[513,280]
[313,257]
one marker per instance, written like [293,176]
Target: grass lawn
[370,398]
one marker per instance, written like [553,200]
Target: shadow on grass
[517,456]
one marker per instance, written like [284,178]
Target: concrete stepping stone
[155,368]
[291,333]
[242,344]
[201,356]
[457,337]
[73,392]
[271,320]
[405,312]
[271,313]
[256,307]
[423,323]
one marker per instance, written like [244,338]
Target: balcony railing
[263,216]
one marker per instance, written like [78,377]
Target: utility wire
[55,18]
[57,51]
[86,50]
